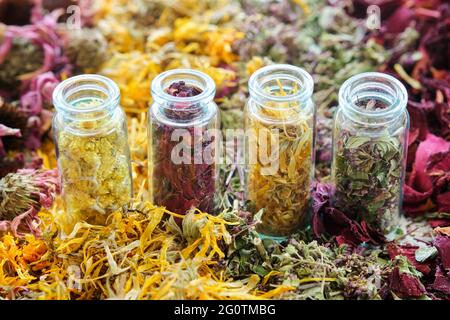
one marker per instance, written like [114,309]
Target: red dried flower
[410,253]
[420,185]
[405,285]
[21,196]
[441,281]
[442,243]
[329,220]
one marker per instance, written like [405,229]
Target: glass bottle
[90,132]
[280,126]
[369,149]
[183,123]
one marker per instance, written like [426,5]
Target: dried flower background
[143,253]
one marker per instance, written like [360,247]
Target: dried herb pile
[222,257]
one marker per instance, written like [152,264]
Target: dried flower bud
[86,48]
[26,189]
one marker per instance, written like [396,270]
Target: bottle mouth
[195,78]
[373,97]
[86,94]
[281,84]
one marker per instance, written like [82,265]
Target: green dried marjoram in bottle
[369,149]
[91,141]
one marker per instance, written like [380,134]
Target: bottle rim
[84,82]
[387,88]
[160,84]
[277,71]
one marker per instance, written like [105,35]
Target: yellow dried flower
[137,255]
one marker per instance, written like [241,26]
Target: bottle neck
[180,109]
[280,92]
[86,103]
[373,99]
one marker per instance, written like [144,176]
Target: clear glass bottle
[280,126]
[369,149]
[183,149]
[90,132]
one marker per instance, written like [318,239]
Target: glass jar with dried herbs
[280,116]
[369,149]
[90,132]
[183,148]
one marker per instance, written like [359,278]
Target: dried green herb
[368,173]
[316,271]
[24,57]
[86,48]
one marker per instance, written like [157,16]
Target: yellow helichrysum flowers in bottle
[279,150]
[92,148]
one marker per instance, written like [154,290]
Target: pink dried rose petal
[422,182]
[436,223]
[5,47]
[443,116]
[321,197]
[405,285]
[27,222]
[399,20]
[4,132]
[40,92]
[439,168]
[326,219]
[418,121]
[409,252]
[412,196]
[443,202]
[432,144]
[441,281]
[442,243]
